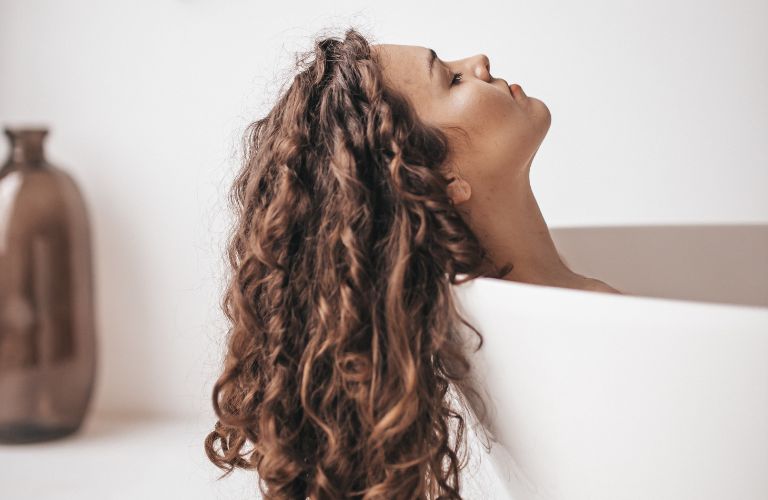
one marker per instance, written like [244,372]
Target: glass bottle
[47,328]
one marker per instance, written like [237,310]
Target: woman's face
[504,129]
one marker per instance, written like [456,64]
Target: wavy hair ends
[341,342]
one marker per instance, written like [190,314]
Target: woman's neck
[512,229]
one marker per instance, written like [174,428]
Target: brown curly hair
[341,348]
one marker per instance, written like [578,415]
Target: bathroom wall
[659,115]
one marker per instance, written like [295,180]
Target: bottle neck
[26,146]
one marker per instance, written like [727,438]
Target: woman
[491,187]
[380,175]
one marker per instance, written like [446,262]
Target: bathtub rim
[537,288]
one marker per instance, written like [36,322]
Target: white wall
[659,115]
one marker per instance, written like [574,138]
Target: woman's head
[503,128]
[342,339]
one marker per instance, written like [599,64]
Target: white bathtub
[658,394]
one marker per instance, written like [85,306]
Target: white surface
[622,397]
[659,115]
[118,458]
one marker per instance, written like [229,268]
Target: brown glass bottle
[47,330]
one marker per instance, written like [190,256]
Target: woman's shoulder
[595,285]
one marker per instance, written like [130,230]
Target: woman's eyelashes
[456,78]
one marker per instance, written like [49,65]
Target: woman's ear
[459,190]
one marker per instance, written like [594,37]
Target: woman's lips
[517,91]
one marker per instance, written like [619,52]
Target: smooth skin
[491,164]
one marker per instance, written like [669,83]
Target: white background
[659,115]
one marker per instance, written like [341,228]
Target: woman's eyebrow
[431,61]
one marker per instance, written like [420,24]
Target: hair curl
[340,348]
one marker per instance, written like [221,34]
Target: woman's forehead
[406,64]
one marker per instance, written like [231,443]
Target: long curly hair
[342,340]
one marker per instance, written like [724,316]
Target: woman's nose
[482,67]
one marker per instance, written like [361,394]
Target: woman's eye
[456,78]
